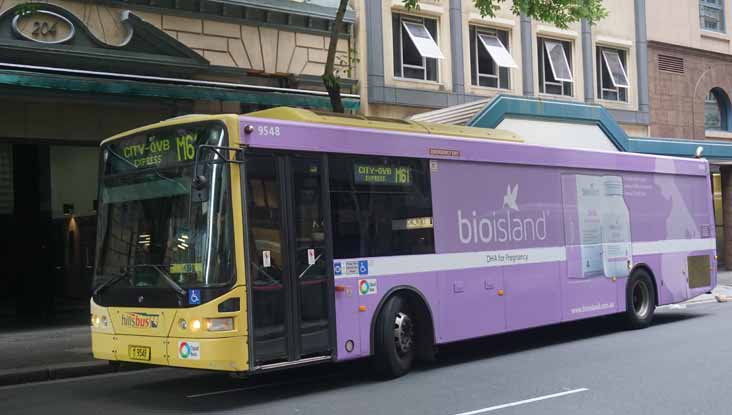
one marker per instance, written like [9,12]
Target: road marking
[262,386]
[242,389]
[517,403]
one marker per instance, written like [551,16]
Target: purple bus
[286,237]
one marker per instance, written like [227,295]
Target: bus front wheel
[640,300]
[396,338]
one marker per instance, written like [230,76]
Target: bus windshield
[155,229]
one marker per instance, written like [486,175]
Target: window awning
[60,79]
[558,61]
[497,50]
[325,9]
[615,68]
[423,40]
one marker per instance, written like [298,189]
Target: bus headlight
[195,325]
[100,321]
[220,324]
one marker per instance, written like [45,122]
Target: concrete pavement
[676,366]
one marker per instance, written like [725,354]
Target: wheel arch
[416,299]
[645,267]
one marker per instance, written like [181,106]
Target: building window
[490,60]
[711,15]
[555,67]
[612,77]
[716,110]
[415,47]
[380,206]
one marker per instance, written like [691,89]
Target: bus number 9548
[268,130]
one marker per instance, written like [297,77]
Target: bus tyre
[395,338]
[640,300]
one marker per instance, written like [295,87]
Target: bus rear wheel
[640,301]
[395,338]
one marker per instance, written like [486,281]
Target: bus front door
[289,277]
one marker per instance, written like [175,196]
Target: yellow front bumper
[226,354]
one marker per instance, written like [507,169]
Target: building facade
[690,82]
[75,72]
[465,58]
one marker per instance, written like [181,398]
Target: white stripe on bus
[410,264]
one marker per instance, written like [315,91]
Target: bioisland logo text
[506,225]
[140,320]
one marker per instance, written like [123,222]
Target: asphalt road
[680,365]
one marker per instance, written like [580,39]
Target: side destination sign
[386,175]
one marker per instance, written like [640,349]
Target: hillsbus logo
[502,226]
[140,320]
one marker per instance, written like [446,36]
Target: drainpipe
[587,66]
[527,56]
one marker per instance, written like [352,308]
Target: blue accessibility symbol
[363,267]
[194,296]
[337,268]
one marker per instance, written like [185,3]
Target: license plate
[139,352]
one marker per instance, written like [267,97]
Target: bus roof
[286,130]
[181,119]
[380,123]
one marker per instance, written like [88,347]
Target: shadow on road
[519,341]
[210,392]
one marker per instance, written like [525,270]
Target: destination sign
[160,148]
[379,174]
[153,151]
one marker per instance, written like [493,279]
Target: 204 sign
[44,29]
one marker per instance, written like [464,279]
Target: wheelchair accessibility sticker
[194,296]
[351,268]
[363,267]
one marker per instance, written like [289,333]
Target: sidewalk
[60,348]
[723,289]
[48,353]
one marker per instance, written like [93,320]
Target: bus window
[380,206]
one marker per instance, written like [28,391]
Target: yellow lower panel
[127,348]
[103,346]
[227,354]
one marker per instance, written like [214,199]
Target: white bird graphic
[509,200]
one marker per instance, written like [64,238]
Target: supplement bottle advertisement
[604,224]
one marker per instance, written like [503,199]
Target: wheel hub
[403,333]
[641,299]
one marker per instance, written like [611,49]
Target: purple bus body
[508,238]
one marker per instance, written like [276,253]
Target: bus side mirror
[200,182]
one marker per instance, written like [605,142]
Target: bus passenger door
[289,277]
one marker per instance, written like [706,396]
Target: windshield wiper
[177,288]
[117,278]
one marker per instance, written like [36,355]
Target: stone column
[726,255]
